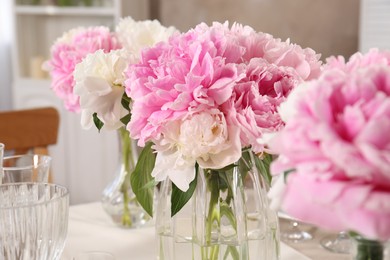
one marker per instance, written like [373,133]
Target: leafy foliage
[98,123]
[141,179]
[180,198]
[264,166]
[125,101]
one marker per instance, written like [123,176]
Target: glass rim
[95,252]
[10,157]
[65,194]
[2,146]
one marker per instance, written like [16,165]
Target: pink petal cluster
[338,142]
[68,51]
[242,73]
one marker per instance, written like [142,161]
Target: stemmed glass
[33,221]
[294,233]
[340,243]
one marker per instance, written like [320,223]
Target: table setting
[234,145]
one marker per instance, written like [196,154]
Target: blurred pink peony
[237,73]
[68,51]
[336,139]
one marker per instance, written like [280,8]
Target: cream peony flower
[207,138]
[135,36]
[204,138]
[99,83]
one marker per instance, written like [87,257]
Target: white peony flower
[171,164]
[135,36]
[207,138]
[100,84]
[204,138]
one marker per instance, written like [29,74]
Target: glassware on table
[94,255]
[26,168]
[119,200]
[340,243]
[294,233]
[33,221]
[227,217]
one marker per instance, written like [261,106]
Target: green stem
[213,213]
[218,181]
[127,157]
[369,249]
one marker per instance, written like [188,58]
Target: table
[91,229]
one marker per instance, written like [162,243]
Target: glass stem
[369,250]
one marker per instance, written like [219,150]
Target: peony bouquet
[87,68]
[70,49]
[334,150]
[203,96]
[197,102]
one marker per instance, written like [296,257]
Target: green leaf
[126,119]
[141,178]
[98,123]
[245,163]
[287,173]
[263,166]
[227,168]
[150,184]
[180,198]
[125,101]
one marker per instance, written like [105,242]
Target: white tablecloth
[90,229]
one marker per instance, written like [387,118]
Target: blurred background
[85,161]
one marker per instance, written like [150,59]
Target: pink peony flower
[68,51]
[336,138]
[242,74]
[173,80]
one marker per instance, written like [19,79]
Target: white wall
[5,55]
[374,25]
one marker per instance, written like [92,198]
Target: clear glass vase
[366,249]
[227,217]
[118,199]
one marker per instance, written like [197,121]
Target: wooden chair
[29,130]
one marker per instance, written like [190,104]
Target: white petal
[170,164]
[228,156]
[98,86]
[182,177]
[86,119]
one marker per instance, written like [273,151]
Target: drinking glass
[26,168]
[33,221]
[94,255]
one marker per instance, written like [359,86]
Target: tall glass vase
[227,217]
[118,199]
